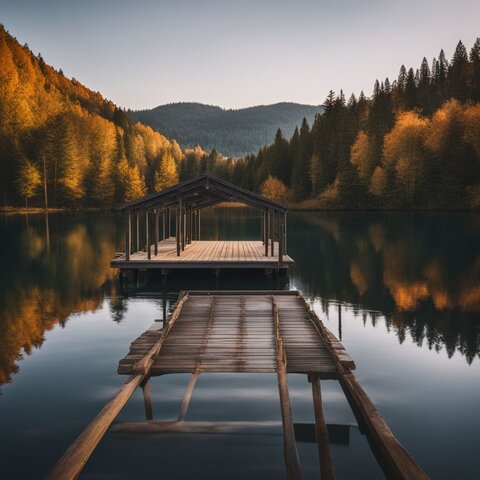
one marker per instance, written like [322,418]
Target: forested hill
[62,144]
[232,132]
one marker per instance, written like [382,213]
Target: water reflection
[53,266]
[420,274]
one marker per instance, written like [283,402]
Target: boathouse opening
[163,230]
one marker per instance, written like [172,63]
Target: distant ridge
[232,132]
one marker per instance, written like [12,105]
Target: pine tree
[167,175]
[474,83]
[458,74]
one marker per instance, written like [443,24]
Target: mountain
[232,132]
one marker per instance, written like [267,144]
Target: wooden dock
[244,331]
[204,254]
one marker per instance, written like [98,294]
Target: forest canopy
[414,144]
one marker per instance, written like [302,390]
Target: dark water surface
[402,291]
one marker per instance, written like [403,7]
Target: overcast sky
[239,53]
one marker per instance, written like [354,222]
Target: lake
[401,290]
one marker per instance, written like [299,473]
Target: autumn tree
[167,174]
[274,189]
[29,180]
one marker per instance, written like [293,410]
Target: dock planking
[204,254]
[234,333]
[244,331]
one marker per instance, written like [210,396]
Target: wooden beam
[147,235]
[188,396]
[177,229]
[272,233]
[176,426]
[394,459]
[138,231]
[290,447]
[265,230]
[128,235]
[147,399]
[155,235]
[199,220]
[327,470]
[74,459]
[280,241]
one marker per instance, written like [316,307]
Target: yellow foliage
[361,155]
[167,175]
[274,189]
[378,184]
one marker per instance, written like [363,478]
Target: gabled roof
[204,191]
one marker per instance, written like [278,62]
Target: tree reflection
[422,271]
[52,270]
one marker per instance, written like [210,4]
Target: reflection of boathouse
[163,230]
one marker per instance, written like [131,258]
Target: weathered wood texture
[237,335]
[205,254]
[74,459]
[394,459]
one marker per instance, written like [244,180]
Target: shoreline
[36,211]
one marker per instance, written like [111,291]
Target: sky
[240,53]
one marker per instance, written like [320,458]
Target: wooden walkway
[205,254]
[235,333]
[244,331]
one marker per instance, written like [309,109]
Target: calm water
[402,291]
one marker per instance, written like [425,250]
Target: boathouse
[163,229]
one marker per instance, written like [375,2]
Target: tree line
[63,145]
[415,143]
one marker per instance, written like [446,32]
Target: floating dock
[214,254]
[163,230]
[244,331]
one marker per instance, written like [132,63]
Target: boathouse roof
[204,191]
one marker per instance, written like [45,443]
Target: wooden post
[327,470]
[128,234]
[285,234]
[280,241]
[261,227]
[163,224]
[138,231]
[199,218]
[266,224]
[182,224]
[147,235]
[177,227]
[272,233]
[155,235]
[147,399]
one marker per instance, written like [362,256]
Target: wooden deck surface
[235,333]
[205,254]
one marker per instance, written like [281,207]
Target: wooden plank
[327,470]
[290,447]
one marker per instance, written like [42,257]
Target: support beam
[327,470]
[199,219]
[128,235]
[280,241]
[261,227]
[147,235]
[155,236]
[163,224]
[272,233]
[169,222]
[147,399]
[138,232]
[266,224]
[285,234]
[177,227]
[184,214]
